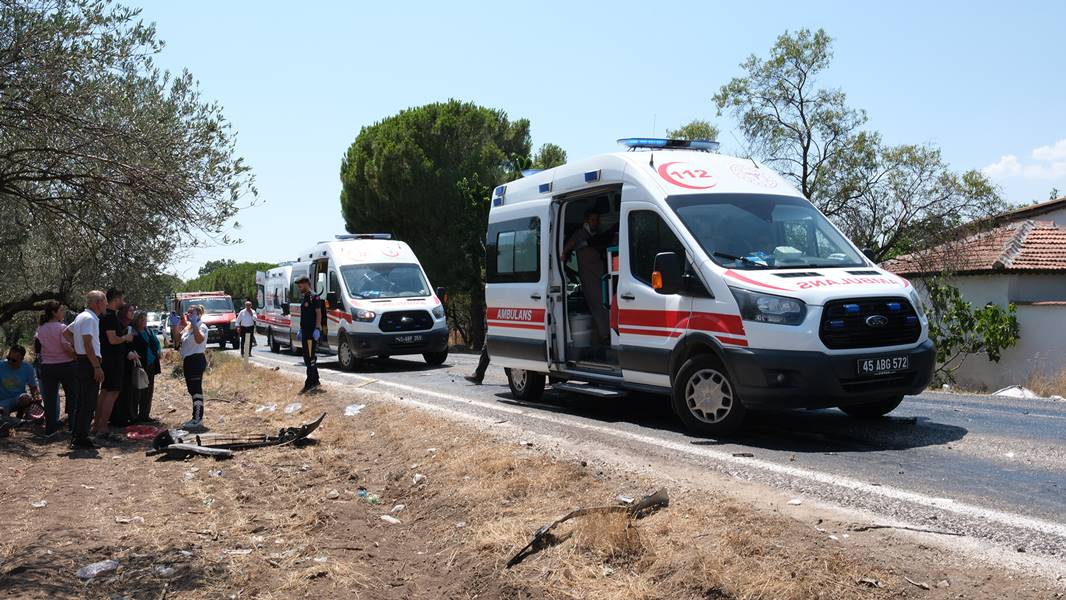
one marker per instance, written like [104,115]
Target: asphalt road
[991,469]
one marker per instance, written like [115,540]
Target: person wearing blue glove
[312,312]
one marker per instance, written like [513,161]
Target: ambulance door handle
[535,296]
[628,296]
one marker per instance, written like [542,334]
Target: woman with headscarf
[146,345]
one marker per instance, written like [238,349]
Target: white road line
[945,504]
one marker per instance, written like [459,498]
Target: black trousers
[144,403]
[54,376]
[243,332]
[309,348]
[482,363]
[194,366]
[85,405]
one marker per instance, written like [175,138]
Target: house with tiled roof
[1020,260]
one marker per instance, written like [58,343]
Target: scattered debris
[743,455]
[905,528]
[1016,391]
[542,538]
[943,583]
[216,473]
[460,525]
[418,478]
[88,487]
[333,494]
[180,445]
[834,538]
[352,409]
[921,584]
[391,520]
[90,571]
[128,520]
[294,407]
[626,500]
[142,432]
[266,408]
[164,571]
[795,502]
[870,582]
[238,552]
[398,508]
[39,504]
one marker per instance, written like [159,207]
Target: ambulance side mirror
[666,274]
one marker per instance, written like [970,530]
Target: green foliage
[236,279]
[425,175]
[890,199]
[549,155]
[959,331]
[696,129]
[108,165]
[211,265]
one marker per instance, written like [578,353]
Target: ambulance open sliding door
[515,294]
[649,323]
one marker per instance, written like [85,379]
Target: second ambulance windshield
[384,280]
[760,231]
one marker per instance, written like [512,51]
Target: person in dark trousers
[113,339]
[59,367]
[482,366]
[84,335]
[246,327]
[312,312]
[194,363]
[125,410]
[146,345]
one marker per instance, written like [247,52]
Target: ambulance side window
[648,236]
[512,251]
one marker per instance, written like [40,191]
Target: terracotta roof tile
[1018,246]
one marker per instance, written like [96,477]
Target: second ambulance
[672,269]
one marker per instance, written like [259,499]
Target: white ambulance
[670,268]
[272,291]
[378,300]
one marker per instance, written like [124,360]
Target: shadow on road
[805,431]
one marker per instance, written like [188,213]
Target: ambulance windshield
[384,280]
[760,231]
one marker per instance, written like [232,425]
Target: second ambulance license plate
[883,365]
[407,339]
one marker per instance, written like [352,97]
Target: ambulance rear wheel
[705,399]
[345,356]
[526,386]
[873,410]
[435,359]
[275,347]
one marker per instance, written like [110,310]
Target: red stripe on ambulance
[676,319]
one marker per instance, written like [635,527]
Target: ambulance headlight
[767,308]
[916,301]
[438,312]
[366,316]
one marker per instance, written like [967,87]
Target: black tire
[275,347]
[872,410]
[435,359]
[222,344]
[345,356]
[705,398]
[526,386]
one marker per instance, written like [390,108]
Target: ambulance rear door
[516,254]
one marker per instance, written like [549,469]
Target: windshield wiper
[742,259]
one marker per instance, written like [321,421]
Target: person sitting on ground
[58,366]
[16,375]
[194,363]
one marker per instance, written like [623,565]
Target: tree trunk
[8,310]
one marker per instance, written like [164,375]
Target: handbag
[140,377]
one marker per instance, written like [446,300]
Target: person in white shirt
[246,327]
[84,335]
[194,363]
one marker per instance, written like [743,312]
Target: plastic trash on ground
[353,409]
[90,571]
[266,408]
[1016,391]
[295,406]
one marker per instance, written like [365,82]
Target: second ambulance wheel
[704,397]
[434,359]
[527,386]
[275,347]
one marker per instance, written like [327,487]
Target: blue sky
[982,80]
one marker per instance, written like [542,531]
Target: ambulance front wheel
[435,359]
[345,355]
[872,410]
[526,386]
[705,399]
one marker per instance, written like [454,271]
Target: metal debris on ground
[921,584]
[870,582]
[179,444]
[743,455]
[542,538]
[96,568]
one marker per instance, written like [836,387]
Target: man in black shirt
[113,339]
[312,313]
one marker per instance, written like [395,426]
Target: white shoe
[193,424]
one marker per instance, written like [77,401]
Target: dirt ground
[294,522]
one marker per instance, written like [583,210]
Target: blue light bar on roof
[665,144]
[591,176]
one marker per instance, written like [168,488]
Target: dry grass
[267,528]
[1047,384]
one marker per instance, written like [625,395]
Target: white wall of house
[1041,346]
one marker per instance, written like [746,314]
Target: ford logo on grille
[876,321]
[406,320]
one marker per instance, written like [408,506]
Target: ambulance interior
[584,345]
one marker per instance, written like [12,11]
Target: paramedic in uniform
[591,267]
[312,311]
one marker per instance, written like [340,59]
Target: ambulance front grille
[405,320]
[869,323]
